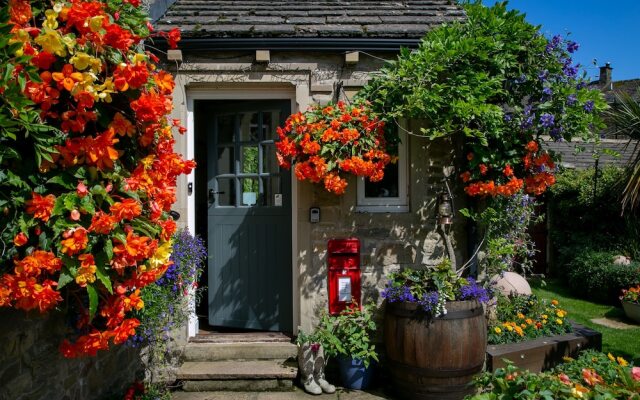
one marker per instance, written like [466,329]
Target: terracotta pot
[632,310]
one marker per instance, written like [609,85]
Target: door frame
[243,92]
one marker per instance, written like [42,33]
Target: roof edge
[293,44]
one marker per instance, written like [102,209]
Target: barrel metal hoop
[435,373]
[418,314]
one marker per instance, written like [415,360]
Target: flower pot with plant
[347,336]
[631,303]
[311,363]
[435,332]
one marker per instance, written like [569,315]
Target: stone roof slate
[308,19]
[584,159]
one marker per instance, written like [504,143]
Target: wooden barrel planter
[435,358]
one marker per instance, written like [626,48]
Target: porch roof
[308,22]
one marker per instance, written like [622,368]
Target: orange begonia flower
[126,209]
[41,206]
[76,241]
[100,150]
[67,78]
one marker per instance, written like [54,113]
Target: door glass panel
[269,160]
[272,192]
[270,119]
[249,127]
[225,160]
[225,128]
[250,191]
[227,192]
[249,159]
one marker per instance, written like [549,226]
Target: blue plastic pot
[353,373]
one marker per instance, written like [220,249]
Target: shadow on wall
[32,368]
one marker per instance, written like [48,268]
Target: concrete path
[298,394]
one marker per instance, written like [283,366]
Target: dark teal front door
[248,215]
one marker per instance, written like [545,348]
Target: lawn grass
[620,342]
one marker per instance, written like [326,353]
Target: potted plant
[435,331]
[347,336]
[311,363]
[631,303]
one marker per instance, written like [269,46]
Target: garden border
[543,353]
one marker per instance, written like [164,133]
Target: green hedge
[593,274]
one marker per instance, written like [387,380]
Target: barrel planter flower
[434,358]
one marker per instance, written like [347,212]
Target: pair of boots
[311,362]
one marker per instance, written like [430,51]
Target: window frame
[398,204]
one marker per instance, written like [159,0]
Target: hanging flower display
[87,167]
[324,143]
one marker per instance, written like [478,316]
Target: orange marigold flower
[41,206]
[465,176]
[591,377]
[76,241]
[126,209]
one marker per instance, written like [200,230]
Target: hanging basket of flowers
[325,143]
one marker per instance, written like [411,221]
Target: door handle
[212,195]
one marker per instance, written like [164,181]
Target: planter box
[632,310]
[544,353]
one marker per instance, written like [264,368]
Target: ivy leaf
[93,301]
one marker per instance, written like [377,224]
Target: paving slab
[298,394]
[614,323]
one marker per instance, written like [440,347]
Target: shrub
[593,274]
[595,220]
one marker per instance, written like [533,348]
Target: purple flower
[571,71]
[474,292]
[547,120]
[508,117]
[572,99]
[588,106]
[572,47]
[554,43]
[543,75]
[556,134]
[547,91]
[429,301]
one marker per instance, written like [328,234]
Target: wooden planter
[434,358]
[543,353]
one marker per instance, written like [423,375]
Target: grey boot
[318,372]
[306,359]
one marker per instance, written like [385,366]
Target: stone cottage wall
[389,240]
[32,368]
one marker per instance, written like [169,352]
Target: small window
[390,194]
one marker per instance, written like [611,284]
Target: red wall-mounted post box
[343,261]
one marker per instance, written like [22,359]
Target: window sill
[382,209]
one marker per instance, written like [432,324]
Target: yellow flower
[529,321]
[520,315]
[622,361]
[51,22]
[497,330]
[509,328]
[545,316]
[611,357]
[559,321]
[51,41]
[567,359]
[561,313]
[80,60]
[95,23]
[161,256]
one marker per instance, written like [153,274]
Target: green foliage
[490,79]
[594,275]
[521,318]
[583,219]
[593,376]
[347,334]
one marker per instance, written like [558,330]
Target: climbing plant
[87,167]
[499,83]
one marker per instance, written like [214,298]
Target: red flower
[20,239]
[173,37]
[127,209]
[102,223]
[532,146]
[41,206]
[76,240]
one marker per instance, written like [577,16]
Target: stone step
[297,394]
[256,375]
[239,351]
